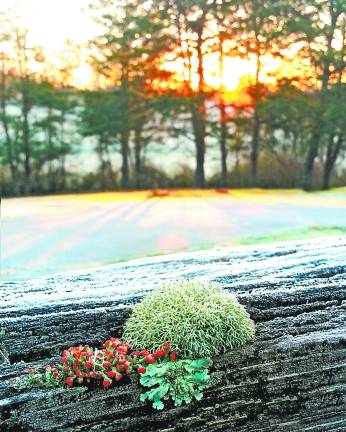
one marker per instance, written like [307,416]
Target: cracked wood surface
[292,378]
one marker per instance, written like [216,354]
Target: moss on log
[292,378]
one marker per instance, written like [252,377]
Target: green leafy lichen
[181,380]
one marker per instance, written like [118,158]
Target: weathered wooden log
[292,378]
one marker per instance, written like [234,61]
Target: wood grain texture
[292,378]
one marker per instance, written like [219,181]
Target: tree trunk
[62,173]
[331,157]
[51,180]
[222,115]
[26,139]
[327,171]
[256,119]
[199,134]
[198,118]
[254,149]
[138,159]
[103,165]
[316,138]
[125,180]
[223,143]
[126,127]
[8,140]
[310,160]
[199,174]
[108,161]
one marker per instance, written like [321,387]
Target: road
[47,235]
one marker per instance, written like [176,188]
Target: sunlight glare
[82,76]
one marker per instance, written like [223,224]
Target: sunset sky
[51,22]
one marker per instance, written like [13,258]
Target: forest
[184,93]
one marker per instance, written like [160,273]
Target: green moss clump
[197,319]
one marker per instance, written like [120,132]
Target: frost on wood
[291,379]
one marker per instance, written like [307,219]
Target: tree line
[287,130]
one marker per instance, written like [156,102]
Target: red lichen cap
[69,381]
[106,383]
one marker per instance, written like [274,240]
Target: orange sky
[51,22]
[238,72]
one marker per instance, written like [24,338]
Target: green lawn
[294,234]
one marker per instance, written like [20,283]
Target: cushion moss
[198,319]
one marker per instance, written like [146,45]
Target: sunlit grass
[274,237]
[252,194]
[294,234]
[161,222]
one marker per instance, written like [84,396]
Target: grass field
[295,234]
[45,235]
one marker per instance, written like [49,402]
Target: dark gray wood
[292,378]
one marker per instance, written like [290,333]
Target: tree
[224,14]
[132,41]
[261,31]
[54,108]
[319,24]
[100,119]
[5,99]
[189,21]
[336,107]
[335,128]
[288,116]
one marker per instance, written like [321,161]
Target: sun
[233,70]
[83,76]
[230,80]
[228,77]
